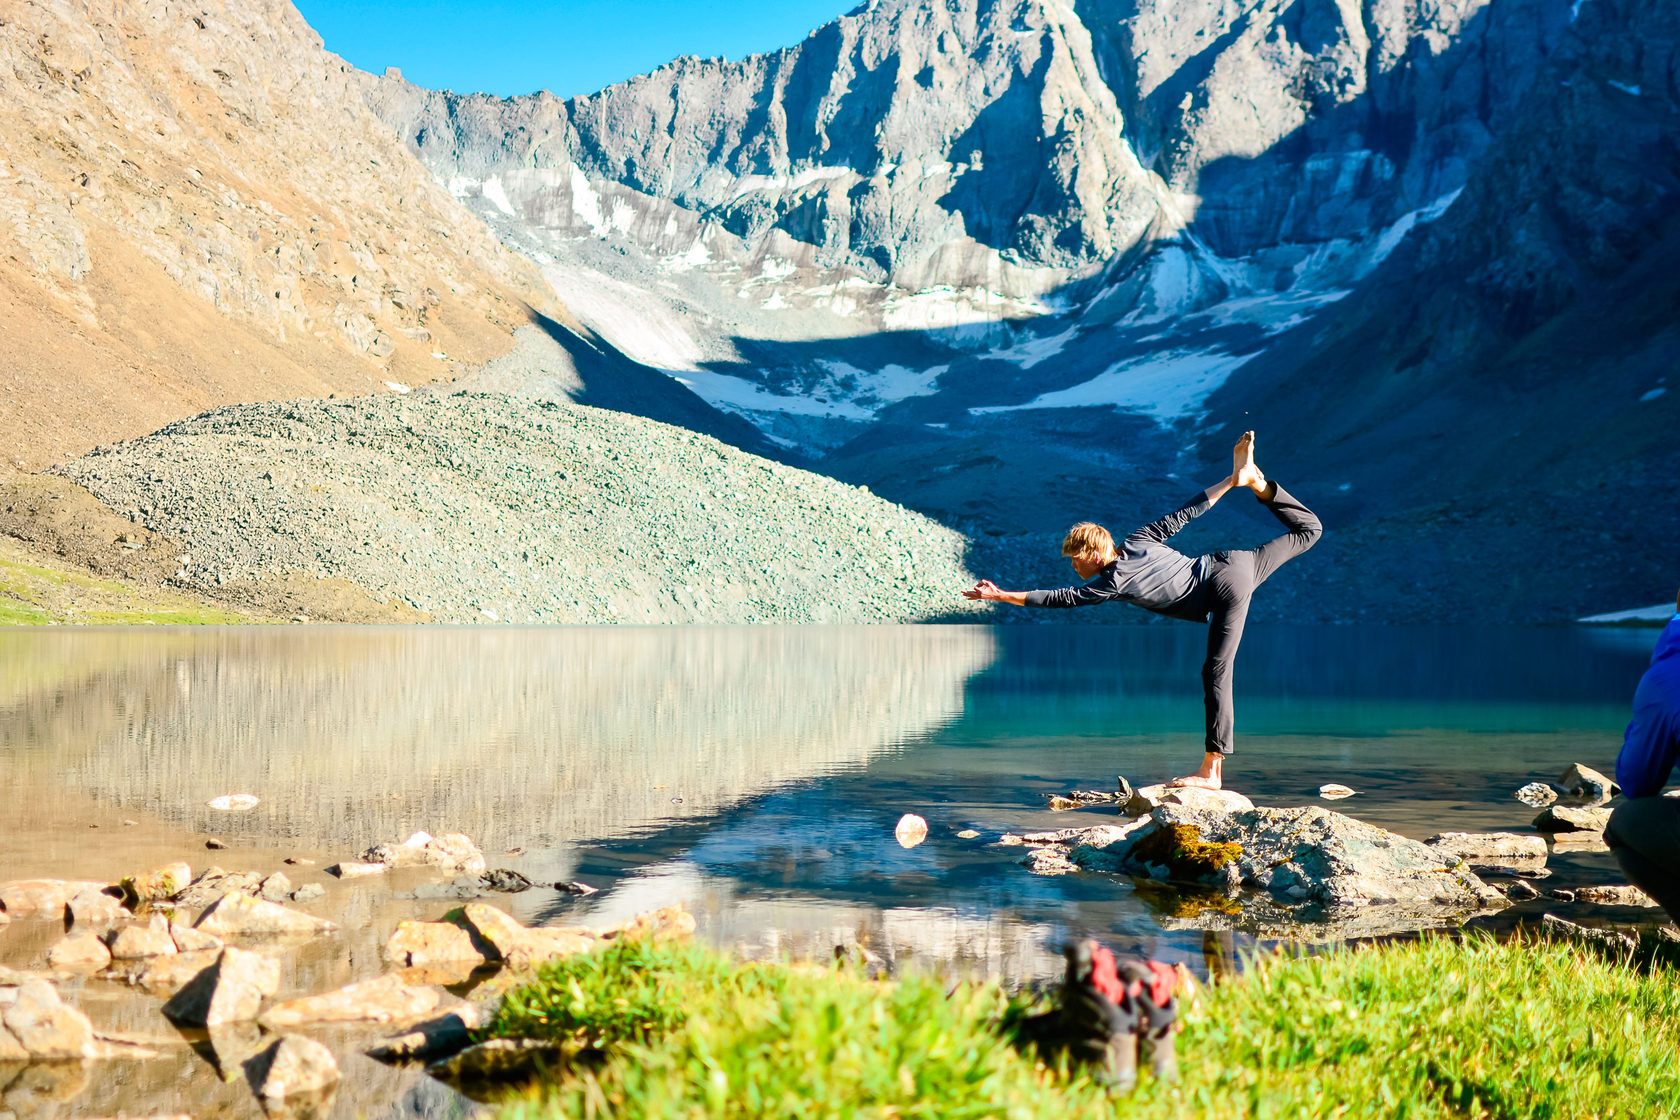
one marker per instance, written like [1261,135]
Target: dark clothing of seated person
[1644,831]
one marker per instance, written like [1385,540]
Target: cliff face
[967,252]
[1518,356]
[197,206]
[1007,145]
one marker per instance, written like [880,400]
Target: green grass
[1437,1028]
[32,594]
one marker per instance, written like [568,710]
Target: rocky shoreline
[1312,873]
[220,961]
[209,953]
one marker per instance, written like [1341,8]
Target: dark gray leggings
[1234,577]
[1644,832]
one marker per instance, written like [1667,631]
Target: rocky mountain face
[978,254]
[1517,357]
[197,207]
[1008,146]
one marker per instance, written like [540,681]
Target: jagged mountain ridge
[989,176]
[1294,153]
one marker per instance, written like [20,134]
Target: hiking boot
[1151,985]
[1098,1019]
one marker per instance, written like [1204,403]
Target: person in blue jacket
[1644,831]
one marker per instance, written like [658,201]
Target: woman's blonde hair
[1087,539]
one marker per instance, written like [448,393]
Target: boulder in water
[1285,869]
[1569,818]
[1583,785]
[1496,851]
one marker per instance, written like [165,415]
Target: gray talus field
[483,508]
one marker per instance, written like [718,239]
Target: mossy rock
[1182,851]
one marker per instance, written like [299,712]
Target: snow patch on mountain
[1165,387]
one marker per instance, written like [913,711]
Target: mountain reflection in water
[350,735]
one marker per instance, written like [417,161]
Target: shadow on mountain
[1484,423]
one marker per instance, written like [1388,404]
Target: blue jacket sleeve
[1157,532]
[1652,743]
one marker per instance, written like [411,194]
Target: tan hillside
[196,207]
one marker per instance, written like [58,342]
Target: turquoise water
[757,773]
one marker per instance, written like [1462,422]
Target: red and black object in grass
[1111,1012]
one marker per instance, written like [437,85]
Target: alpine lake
[753,774]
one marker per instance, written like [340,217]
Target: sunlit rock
[236,915]
[230,990]
[384,999]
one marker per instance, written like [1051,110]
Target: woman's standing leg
[1231,586]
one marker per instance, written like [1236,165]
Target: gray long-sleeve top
[1146,572]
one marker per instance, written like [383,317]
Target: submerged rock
[506,880]
[1537,794]
[1624,895]
[447,1034]
[1617,941]
[1521,890]
[1049,861]
[666,922]
[1079,798]
[1566,818]
[501,1059]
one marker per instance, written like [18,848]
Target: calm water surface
[753,773]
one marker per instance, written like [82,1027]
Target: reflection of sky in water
[794,751]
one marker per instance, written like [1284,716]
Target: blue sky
[570,48]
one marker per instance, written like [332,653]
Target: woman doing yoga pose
[1214,589]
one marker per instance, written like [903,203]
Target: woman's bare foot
[1208,777]
[1243,470]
